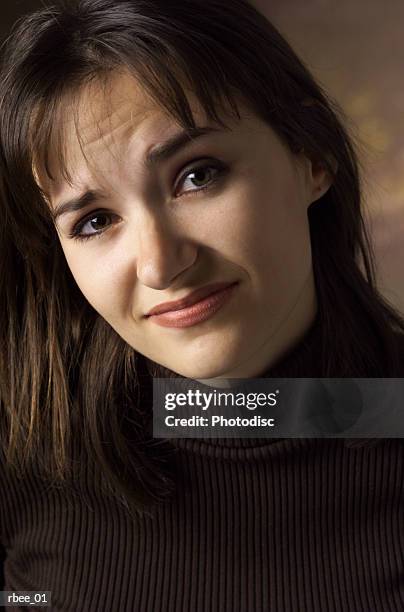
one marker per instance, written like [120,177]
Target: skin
[163,237]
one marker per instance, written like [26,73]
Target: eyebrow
[170,147]
[157,154]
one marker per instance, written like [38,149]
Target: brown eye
[93,225]
[98,217]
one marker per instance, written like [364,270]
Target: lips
[190,299]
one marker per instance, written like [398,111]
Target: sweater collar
[302,360]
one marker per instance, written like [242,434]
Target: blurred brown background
[356,50]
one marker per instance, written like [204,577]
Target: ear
[318,178]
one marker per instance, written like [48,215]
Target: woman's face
[229,206]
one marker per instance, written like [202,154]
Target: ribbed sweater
[285,525]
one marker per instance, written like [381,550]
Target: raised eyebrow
[157,154]
[170,147]
[78,203]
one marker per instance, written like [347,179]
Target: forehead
[101,107]
[102,118]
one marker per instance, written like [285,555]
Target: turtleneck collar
[303,360]
[300,361]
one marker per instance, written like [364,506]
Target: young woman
[162,151]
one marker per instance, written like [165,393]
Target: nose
[162,254]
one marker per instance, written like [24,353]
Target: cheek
[270,239]
[98,283]
[262,222]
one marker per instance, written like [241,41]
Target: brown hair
[63,369]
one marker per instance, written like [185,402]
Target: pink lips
[194,308]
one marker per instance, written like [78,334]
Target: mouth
[189,300]
[197,311]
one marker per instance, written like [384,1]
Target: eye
[199,177]
[97,218]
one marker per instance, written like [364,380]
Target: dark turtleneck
[279,525]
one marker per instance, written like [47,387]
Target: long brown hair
[63,369]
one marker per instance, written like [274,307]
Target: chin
[201,374]
[211,369]
[206,360]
